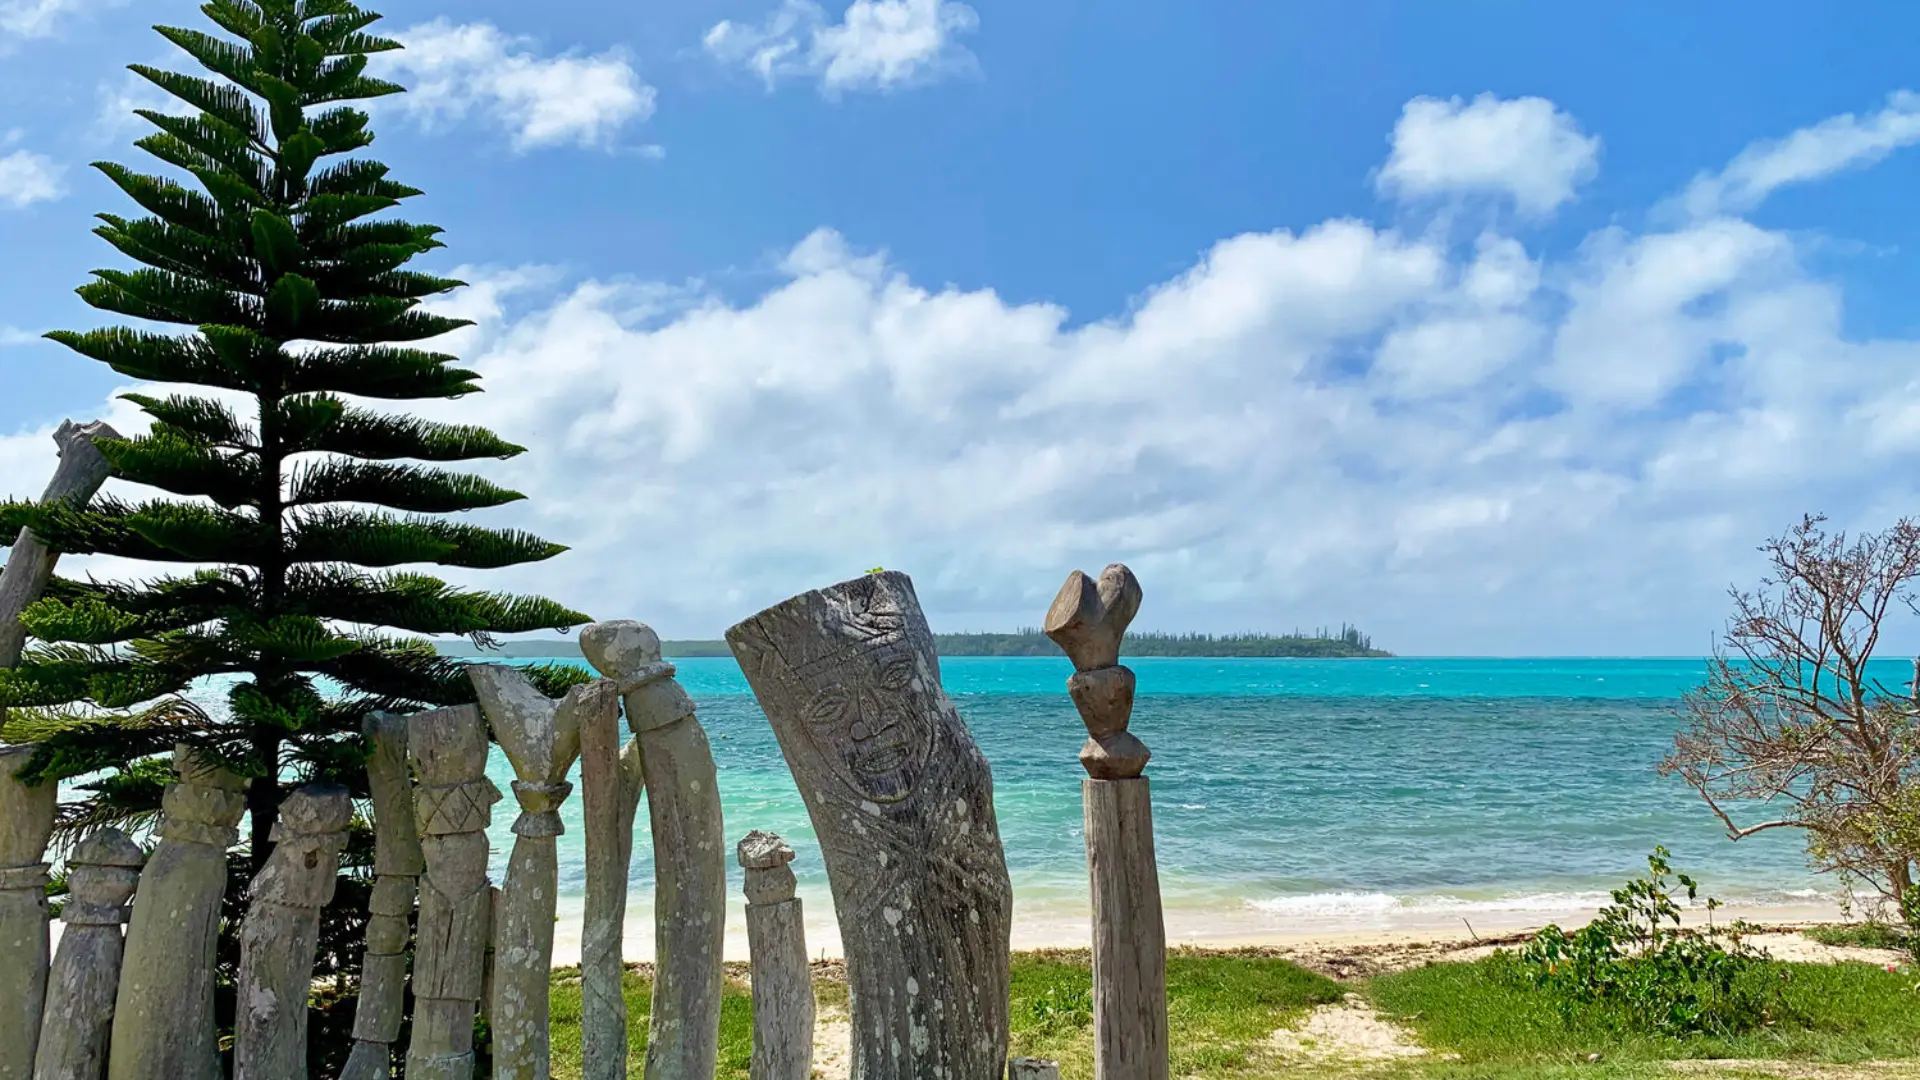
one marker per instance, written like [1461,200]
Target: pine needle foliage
[269,279]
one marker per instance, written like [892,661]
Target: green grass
[736,1026]
[1223,1008]
[1835,1013]
[1862,935]
[1220,1009]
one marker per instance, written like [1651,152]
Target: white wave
[1378,904]
[1329,904]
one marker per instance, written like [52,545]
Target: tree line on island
[1322,644]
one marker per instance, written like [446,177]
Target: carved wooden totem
[163,1021]
[902,801]
[1087,621]
[610,785]
[29,561]
[26,824]
[397,865]
[777,943]
[282,932]
[101,875]
[541,738]
[453,803]
[689,849]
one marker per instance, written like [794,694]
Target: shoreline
[1420,931]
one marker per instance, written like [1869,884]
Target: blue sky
[1494,328]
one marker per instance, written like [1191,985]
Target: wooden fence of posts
[913,857]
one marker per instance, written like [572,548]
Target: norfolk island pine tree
[284,293]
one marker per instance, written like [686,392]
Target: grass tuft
[1835,1013]
[1862,935]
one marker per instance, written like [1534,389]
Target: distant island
[1348,642]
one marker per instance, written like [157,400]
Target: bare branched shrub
[1791,731]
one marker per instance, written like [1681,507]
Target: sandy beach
[1421,931]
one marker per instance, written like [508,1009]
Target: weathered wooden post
[281,933]
[397,866]
[29,564]
[1087,620]
[24,952]
[689,849]
[453,804]
[610,785]
[777,944]
[163,1022]
[26,824]
[101,875]
[902,801]
[541,738]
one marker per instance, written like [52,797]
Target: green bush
[1639,967]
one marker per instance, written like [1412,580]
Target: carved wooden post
[26,824]
[397,865]
[101,875]
[1033,1069]
[1087,620]
[777,944]
[30,565]
[282,932]
[163,1022]
[610,785]
[24,950]
[689,849]
[902,802]
[541,738]
[453,804]
[484,1008]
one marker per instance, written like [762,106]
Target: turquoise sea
[1293,795]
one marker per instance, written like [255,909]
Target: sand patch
[832,1045]
[1349,960]
[1348,1032]
[1798,948]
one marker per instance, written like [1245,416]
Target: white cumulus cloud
[1465,448]
[1521,148]
[876,45]
[27,178]
[1834,145]
[453,70]
[40,18]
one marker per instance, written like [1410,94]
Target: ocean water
[1362,793]
[1290,795]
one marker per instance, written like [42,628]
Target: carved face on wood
[851,683]
[871,717]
